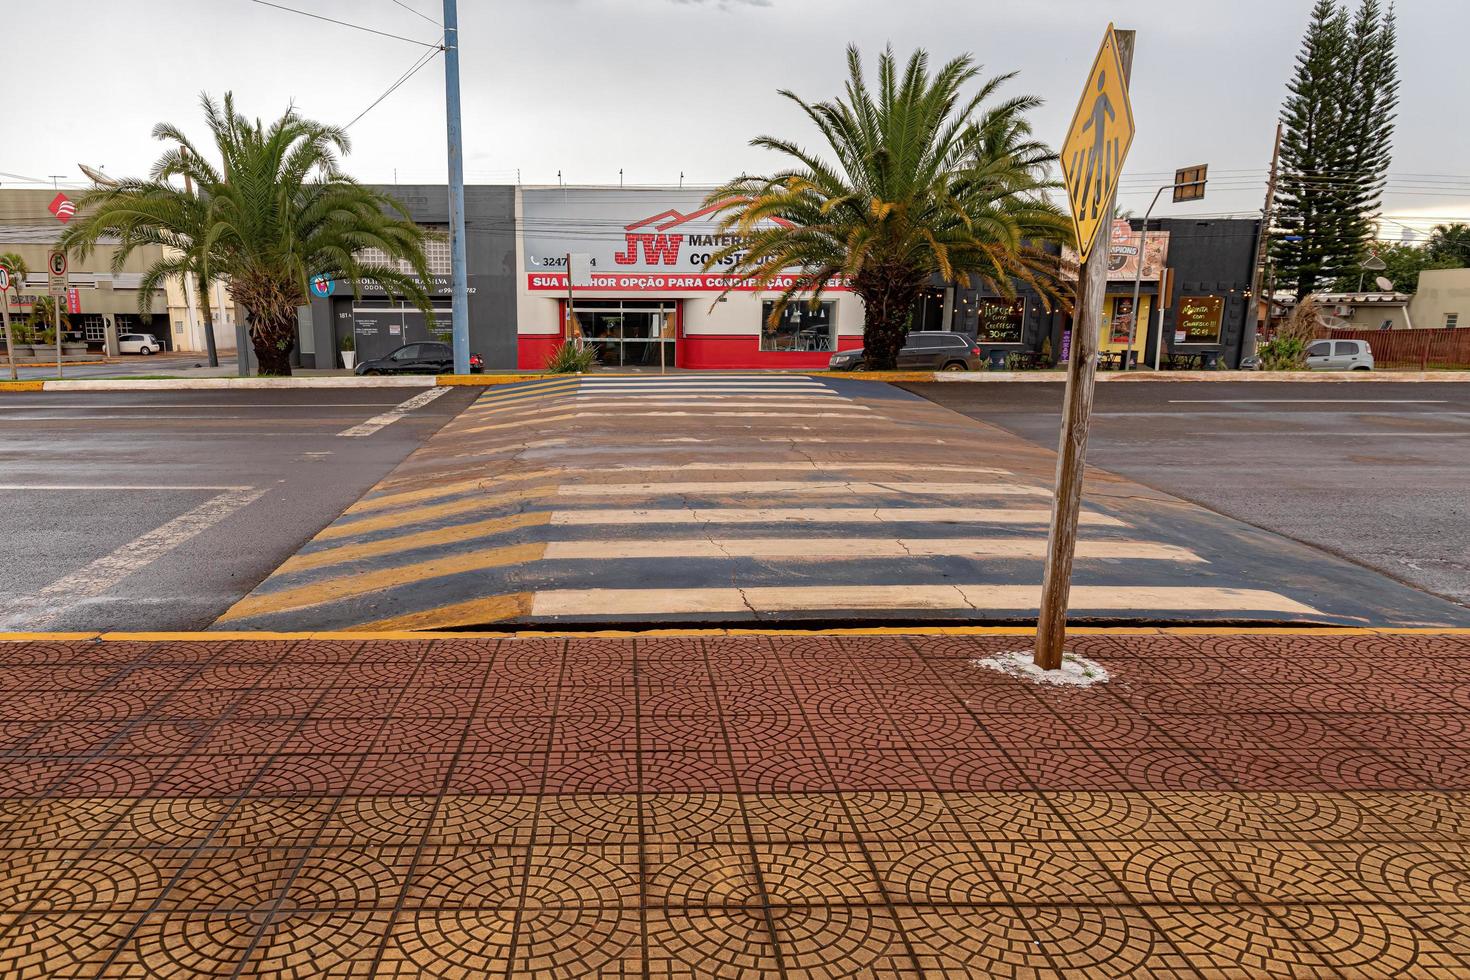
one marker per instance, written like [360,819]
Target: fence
[1419,349]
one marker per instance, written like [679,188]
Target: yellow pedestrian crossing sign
[1097,144]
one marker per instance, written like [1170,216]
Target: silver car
[1340,355]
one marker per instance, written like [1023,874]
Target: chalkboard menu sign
[1199,319]
[1001,320]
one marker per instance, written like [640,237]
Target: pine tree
[1339,119]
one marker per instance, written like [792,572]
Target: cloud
[726,4]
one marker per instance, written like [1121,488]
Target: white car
[1340,355]
[138,343]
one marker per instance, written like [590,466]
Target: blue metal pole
[460,286]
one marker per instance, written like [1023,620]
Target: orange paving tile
[803,807]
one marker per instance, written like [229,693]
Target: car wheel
[1362,367]
[956,366]
[144,351]
[371,373]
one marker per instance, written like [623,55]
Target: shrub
[571,359]
[348,342]
[1287,351]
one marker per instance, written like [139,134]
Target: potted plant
[348,347]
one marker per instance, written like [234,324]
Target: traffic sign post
[5,315]
[1092,162]
[56,266]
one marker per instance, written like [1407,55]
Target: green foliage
[571,359]
[1046,356]
[1450,244]
[275,212]
[1403,264]
[1283,354]
[1339,121]
[348,342]
[42,317]
[917,179]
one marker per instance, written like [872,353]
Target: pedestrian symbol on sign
[1097,143]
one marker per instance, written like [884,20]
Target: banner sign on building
[1199,320]
[634,241]
[1123,255]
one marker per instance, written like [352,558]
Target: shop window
[1199,320]
[1001,320]
[801,327]
[94,328]
[1451,321]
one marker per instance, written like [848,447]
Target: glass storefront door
[630,333]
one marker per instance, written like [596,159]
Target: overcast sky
[660,87]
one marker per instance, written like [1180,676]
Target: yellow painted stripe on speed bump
[490,609]
[402,517]
[361,583]
[408,542]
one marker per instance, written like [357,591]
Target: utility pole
[5,284]
[1263,241]
[460,303]
[1092,284]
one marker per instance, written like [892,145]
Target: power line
[343,23]
[417,13]
[413,70]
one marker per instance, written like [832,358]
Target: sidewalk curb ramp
[893,377]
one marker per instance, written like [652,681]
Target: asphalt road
[1376,472]
[158,510]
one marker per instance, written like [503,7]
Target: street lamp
[1188,185]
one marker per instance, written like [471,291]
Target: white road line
[393,414]
[824,487]
[1304,401]
[828,549]
[38,609]
[831,466]
[967,597]
[131,406]
[819,515]
[675,403]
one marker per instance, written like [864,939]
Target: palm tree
[18,273]
[274,214]
[1450,243]
[45,315]
[922,181]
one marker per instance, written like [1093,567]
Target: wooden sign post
[1092,162]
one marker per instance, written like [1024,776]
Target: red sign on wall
[62,207]
[73,301]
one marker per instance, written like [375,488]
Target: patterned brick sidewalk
[749,806]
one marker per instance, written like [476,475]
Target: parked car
[1339,355]
[138,343]
[421,358]
[924,350]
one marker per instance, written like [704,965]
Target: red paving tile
[793,807]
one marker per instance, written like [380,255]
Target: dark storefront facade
[379,324]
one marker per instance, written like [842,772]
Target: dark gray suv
[924,350]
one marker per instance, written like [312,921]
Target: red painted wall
[535,349]
[739,351]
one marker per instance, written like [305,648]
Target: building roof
[1363,299]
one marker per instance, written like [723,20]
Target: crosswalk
[728,499]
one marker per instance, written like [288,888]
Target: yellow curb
[186,637]
[22,386]
[488,380]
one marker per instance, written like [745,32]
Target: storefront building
[378,324]
[650,301]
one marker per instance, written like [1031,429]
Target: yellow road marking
[472,613]
[361,583]
[827,549]
[653,602]
[822,515]
[408,542]
[365,633]
[417,514]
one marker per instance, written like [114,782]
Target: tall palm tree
[1450,243]
[276,212]
[18,273]
[921,180]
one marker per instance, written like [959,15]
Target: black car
[924,350]
[426,357]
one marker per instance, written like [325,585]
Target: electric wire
[418,13]
[343,23]
[413,70]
